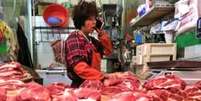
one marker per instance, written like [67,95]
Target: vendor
[83,52]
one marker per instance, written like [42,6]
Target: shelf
[160,55]
[43,3]
[155,13]
[175,64]
[47,27]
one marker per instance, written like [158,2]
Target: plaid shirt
[78,49]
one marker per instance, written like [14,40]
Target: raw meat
[167,95]
[198,84]
[61,92]
[34,92]
[131,96]
[158,94]
[12,71]
[67,95]
[2,94]
[113,83]
[127,81]
[87,93]
[111,91]
[166,88]
[11,64]
[165,82]
[12,85]
[124,96]
[92,84]
[120,82]
[177,93]
[193,93]
[57,88]
[11,89]
[142,96]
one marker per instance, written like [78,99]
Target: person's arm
[83,70]
[76,58]
[105,41]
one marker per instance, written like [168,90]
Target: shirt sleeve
[86,72]
[106,42]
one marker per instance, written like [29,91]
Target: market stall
[145,63]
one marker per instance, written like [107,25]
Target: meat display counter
[189,71]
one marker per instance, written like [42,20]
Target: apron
[96,60]
[95,63]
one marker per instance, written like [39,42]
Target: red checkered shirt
[78,49]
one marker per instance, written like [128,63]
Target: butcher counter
[189,71]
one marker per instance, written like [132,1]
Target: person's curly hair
[82,12]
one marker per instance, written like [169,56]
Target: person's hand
[99,25]
[105,76]
[100,32]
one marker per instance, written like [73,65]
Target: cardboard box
[152,52]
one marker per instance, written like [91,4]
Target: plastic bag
[187,11]
[58,49]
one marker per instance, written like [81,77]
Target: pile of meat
[12,71]
[163,88]
[115,87]
[15,90]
